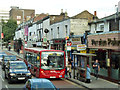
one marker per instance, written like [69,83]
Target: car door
[7,69]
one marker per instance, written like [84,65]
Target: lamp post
[1,34]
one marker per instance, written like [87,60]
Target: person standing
[88,71]
[96,67]
[69,70]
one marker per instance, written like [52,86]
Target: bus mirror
[38,57]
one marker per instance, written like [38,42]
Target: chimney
[95,13]
[61,10]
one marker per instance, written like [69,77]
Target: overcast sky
[73,7]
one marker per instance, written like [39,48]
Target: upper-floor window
[18,17]
[18,22]
[58,32]
[28,17]
[30,33]
[66,28]
[102,27]
[51,33]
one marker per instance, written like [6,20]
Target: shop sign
[92,51]
[44,39]
[76,41]
[58,41]
[39,43]
[68,48]
[108,42]
[83,51]
[81,47]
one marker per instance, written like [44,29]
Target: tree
[9,29]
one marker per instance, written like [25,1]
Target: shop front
[58,44]
[106,47]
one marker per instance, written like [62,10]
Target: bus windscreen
[52,60]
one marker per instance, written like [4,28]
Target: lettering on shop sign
[58,41]
[107,42]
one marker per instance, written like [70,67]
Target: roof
[117,15]
[104,33]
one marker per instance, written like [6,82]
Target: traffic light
[67,38]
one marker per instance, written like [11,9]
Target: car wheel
[5,75]
[9,80]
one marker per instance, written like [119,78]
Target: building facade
[104,41]
[4,15]
[17,14]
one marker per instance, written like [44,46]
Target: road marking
[73,83]
[2,78]
[6,87]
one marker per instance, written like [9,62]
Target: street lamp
[1,34]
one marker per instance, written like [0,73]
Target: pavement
[95,84]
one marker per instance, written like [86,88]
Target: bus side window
[38,61]
[35,60]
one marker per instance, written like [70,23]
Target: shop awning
[84,54]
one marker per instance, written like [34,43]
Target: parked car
[7,58]
[38,84]
[17,71]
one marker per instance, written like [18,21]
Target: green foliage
[9,29]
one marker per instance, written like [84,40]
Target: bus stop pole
[74,68]
[66,54]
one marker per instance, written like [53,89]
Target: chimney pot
[95,13]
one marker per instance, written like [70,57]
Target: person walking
[96,67]
[66,75]
[88,71]
[69,68]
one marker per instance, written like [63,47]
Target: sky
[73,7]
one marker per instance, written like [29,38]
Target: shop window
[115,58]
[101,56]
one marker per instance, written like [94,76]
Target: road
[59,83]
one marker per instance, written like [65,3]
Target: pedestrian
[69,68]
[88,71]
[9,47]
[70,60]
[66,75]
[96,67]
[18,50]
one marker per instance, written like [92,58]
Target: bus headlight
[12,74]
[28,73]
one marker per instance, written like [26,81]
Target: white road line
[6,87]
[73,83]
[2,78]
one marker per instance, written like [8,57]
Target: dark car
[17,71]
[7,58]
[39,84]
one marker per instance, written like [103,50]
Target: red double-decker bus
[44,63]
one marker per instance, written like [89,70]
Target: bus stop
[82,59]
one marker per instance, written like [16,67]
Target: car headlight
[12,74]
[28,73]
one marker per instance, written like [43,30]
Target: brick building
[17,14]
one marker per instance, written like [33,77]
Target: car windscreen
[43,85]
[18,65]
